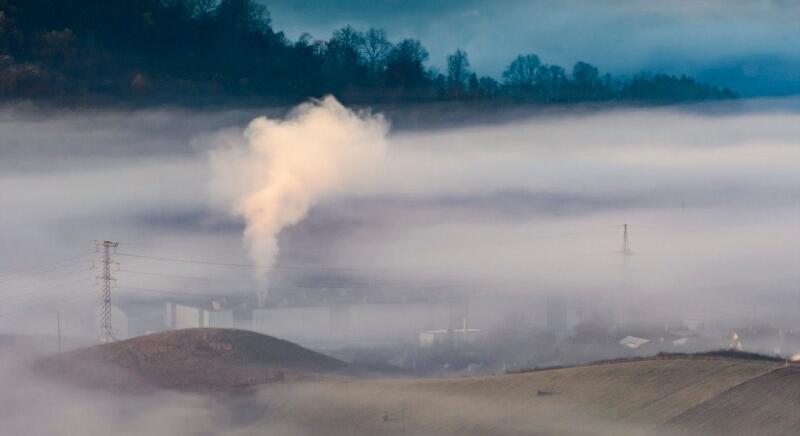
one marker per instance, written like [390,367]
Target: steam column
[104,282]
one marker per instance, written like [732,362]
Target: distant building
[448,337]
[183,316]
[697,324]
[436,338]
[131,319]
[633,341]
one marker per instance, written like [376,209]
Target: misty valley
[246,217]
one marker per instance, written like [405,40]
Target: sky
[749,46]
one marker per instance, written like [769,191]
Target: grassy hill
[193,360]
[635,397]
[765,405]
[670,395]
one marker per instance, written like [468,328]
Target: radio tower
[626,243]
[617,307]
[104,283]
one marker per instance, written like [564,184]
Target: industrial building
[182,316]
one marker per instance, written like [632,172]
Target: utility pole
[104,283]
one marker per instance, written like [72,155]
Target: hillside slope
[193,360]
[608,399]
[664,396]
[765,405]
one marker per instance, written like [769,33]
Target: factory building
[183,316]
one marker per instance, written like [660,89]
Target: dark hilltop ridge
[210,52]
[202,359]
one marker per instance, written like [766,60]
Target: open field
[606,399]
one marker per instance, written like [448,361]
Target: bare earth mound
[193,360]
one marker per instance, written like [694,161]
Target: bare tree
[457,68]
[375,49]
[522,72]
[348,38]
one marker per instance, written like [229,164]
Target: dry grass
[605,399]
[765,405]
[193,360]
[693,394]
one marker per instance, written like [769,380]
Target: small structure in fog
[455,337]
[183,316]
[680,342]
[735,342]
[633,341]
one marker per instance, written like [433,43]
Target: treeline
[143,49]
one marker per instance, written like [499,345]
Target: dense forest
[184,50]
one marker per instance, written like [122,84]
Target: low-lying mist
[37,404]
[528,207]
[507,214]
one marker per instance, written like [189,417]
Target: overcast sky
[750,46]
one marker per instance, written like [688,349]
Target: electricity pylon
[626,243]
[105,281]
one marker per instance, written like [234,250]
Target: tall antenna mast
[105,333]
[626,243]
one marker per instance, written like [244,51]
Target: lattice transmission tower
[626,241]
[105,251]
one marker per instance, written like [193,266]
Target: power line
[173,249]
[370,284]
[86,281]
[47,280]
[319,267]
[25,309]
[175,276]
[171,292]
[573,233]
[83,292]
[43,268]
[198,261]
[282,267]
[34,268]
[238,252]
[247,265]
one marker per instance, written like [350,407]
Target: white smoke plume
[276,169]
